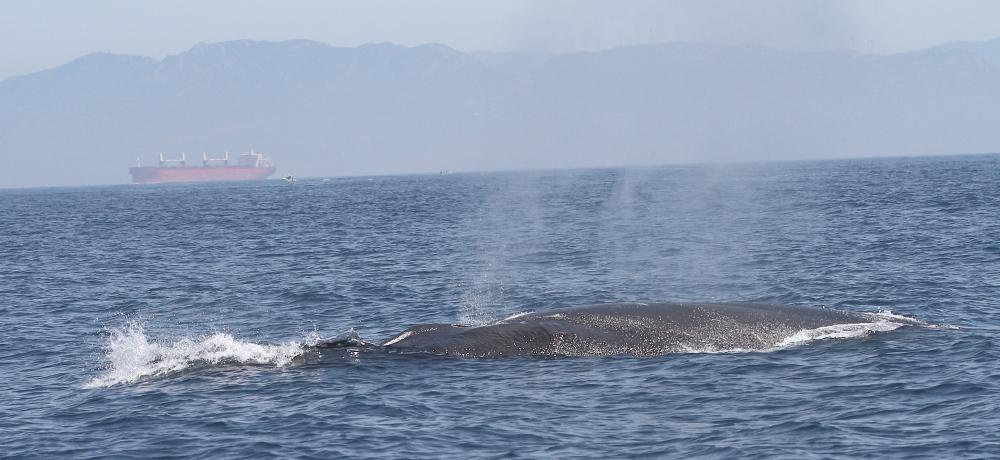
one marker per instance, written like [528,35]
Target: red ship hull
[156,175]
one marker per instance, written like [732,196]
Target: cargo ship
[248,166]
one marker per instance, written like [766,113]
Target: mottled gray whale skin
[629,329]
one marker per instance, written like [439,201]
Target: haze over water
[173,320]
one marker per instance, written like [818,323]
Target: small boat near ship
[247,166]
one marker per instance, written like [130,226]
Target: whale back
[635,329]
[640,329]
[493,341]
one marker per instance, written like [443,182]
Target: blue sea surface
[175,320]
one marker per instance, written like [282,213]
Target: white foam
[837,331]
[886,313]
[132,357]
[884,321]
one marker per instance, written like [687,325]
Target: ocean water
[177,320]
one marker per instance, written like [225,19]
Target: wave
[131,356]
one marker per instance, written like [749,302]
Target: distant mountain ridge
[383,108]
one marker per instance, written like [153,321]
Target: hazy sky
[38,34]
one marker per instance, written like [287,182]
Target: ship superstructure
[247,166]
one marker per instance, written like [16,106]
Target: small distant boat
[289,178]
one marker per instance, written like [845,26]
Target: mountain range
[321,110]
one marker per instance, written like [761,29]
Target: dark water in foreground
[171,320]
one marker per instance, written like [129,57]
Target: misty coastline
[388,109]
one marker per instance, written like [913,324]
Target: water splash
[838,331]
[481,303]
[131,356]
[806,336]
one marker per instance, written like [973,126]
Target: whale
[632,329]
